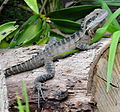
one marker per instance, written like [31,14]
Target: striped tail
[30,64]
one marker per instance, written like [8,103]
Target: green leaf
[46,30]
[33,5]
[11,35]
[43,41]
[25,97]
[66,26]
[113,47]
[20,107]
[57,35]
[22,29]
[105,6]
[65,53]
[72,13]
[4,44]
[45,36]
[112,3]
[6,29]
[112,28]
[29,33]
[30,21]
[33,39]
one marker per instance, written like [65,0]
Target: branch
[3,4]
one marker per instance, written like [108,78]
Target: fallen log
[77,73]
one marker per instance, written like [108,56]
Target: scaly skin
[62,46]
[77,40]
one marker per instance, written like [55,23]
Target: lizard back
[90,23]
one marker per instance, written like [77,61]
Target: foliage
[113,27]
[38,28]
[20,107]
[14,10]
[8,28]
[97,2]
[112,51]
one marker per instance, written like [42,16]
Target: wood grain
[107,101]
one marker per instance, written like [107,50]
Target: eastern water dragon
[45,57]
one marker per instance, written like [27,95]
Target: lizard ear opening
[97,14]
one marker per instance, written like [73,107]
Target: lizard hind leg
[50,68]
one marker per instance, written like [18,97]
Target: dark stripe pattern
[34,62]
[50,68]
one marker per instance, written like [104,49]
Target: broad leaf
[45,36]
[57,35]
[33,5]
[72,13]
[66,26]
[28,34]
[34,39]
[22,29]
[6,29]
[43,41]
[4,44]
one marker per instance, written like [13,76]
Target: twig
[3,4]
[43,6]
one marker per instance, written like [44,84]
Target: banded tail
[30,64]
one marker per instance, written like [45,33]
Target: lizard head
[94,19]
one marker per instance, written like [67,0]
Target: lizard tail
[30,64]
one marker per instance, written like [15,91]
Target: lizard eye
[97,13]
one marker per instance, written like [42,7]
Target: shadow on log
[83,74]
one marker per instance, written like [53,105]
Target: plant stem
[3,4]
[43,6]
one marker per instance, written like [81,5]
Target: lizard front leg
[50,68]
[85,46]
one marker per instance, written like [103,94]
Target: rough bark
[74,73]
[3,94]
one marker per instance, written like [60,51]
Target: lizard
[46,57]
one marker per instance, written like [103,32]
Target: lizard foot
[41,96]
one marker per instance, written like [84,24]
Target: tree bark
[3,94]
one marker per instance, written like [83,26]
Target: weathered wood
[107,101]
[3,94]
[74,73]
